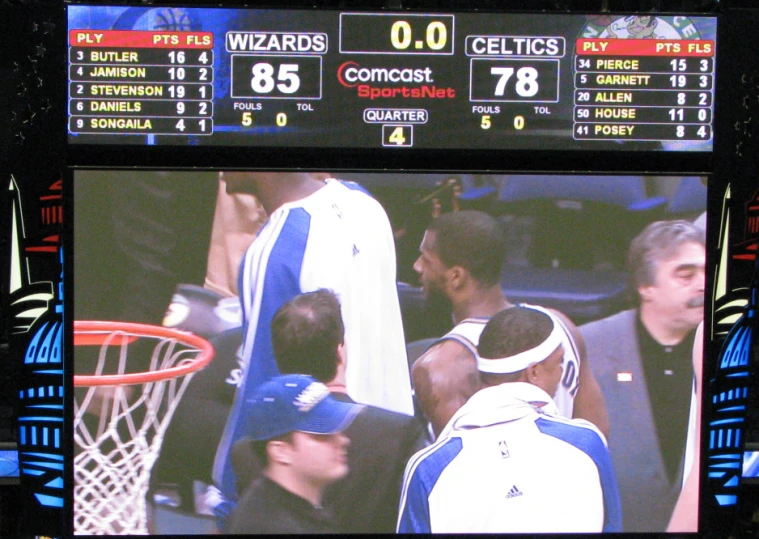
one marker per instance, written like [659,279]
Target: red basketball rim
[88,332]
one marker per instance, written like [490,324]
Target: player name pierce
[341,79]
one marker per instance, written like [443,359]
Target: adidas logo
[514,492]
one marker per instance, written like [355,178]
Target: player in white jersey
[507,462]
[460,268]
[467,333]
[320,234]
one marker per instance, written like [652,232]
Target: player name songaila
[142,124]
[120,72]
[115,106]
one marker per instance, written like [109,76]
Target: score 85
[526,81]
[276,77]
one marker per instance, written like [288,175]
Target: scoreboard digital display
[287,78]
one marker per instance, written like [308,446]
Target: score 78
[504,80]
[527,80]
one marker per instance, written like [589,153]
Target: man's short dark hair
[510,332]
[305,334]
[473,240]
[659,241]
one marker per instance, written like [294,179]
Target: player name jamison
[120,72]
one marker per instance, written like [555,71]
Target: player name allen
[614,97]
[120,72]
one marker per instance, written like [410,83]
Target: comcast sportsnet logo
[392,82]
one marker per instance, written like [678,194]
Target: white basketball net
[118,432]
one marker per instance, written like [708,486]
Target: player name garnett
[115,106]
[142,124]
[627,80]
[614,97]
[114,56]
[126,90]
[120,72]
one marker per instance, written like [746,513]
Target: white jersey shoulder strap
[467,332]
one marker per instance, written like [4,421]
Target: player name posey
[649,131]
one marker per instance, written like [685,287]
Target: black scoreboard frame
[41,162]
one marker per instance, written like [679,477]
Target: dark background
[32,148]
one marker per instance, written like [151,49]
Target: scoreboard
[473,80]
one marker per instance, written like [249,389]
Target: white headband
[522,360]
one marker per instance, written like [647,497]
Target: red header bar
[140,39]
[645,47]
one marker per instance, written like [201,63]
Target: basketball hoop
[120,416]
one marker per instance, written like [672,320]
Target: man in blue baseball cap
[297,427]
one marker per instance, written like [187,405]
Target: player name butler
[119,57]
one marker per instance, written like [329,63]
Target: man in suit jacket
[307,338]
[642,361]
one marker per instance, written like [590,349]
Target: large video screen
[489,81]
[160,267]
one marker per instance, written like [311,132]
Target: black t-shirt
[367,499]
[267,508]
[669,378]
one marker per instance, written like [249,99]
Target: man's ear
[340,353]
[644,291]
[533,373]
[279,451]
[457,276]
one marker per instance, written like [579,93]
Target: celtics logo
[640,27]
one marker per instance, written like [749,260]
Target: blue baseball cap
[296,402]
